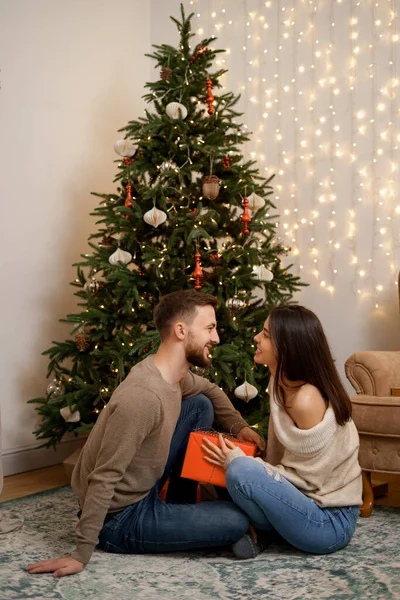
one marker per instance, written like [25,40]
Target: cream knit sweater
[322,462]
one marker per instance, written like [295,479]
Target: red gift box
[194,465]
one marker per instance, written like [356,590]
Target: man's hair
[179,305]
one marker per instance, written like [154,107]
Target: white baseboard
[30,458]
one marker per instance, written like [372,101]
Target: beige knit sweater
[322,462]
[126,451]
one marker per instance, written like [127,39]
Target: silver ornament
[92,285]
[235,304]
[55,388]
[169,165]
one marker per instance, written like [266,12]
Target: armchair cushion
[379,416]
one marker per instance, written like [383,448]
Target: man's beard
[195,356]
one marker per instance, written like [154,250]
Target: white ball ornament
[246,391]
[120,256]
[175,110]
[70,415]
[255,202]
[155,217]
[124,148]
[263,273]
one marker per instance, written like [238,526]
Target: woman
[312,497]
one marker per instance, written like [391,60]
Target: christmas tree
[189,212]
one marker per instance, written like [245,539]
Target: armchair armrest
[373,373]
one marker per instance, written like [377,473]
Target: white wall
[292,63]
[72,74]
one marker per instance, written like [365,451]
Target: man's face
[202,335]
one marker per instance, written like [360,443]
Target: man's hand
[247,434]
[58,566]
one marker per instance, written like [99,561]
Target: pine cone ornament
[107,241]
[165,73]
[82,341]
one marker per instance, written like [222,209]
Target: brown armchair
[376,413]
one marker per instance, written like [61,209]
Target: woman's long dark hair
[303,354]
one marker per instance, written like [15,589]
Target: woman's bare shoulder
[307,407]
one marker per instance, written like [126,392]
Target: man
[139,441]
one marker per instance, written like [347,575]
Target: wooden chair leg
[368,495]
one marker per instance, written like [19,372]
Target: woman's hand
[217,456]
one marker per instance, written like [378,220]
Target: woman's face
[265,352]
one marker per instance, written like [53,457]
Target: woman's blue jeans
[152,526]
[272,503]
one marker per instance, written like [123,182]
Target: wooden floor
[24,484]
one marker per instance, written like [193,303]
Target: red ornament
[128,161]
[128,199]
[210,98]
[198,54]
[198,272]
[226,163]
[246,218]
[214,257]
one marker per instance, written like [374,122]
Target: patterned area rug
[368,568]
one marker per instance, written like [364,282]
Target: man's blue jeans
[272,503]
[152,526]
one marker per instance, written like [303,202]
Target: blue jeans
[272,503]
[152,526]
